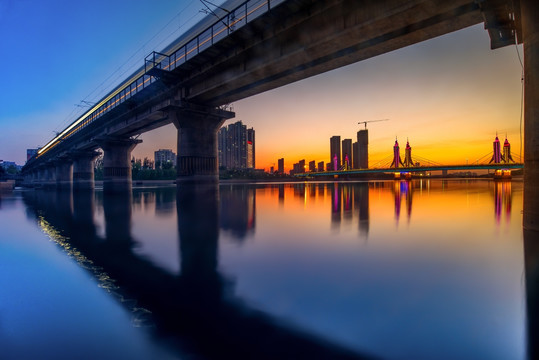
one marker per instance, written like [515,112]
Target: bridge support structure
[117,162]
[49,176]
[197,159]
[83,169]
[529,10]
[64,173]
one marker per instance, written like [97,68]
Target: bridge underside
[302,38]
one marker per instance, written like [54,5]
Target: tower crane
[368,121]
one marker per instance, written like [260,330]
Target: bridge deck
[415,169]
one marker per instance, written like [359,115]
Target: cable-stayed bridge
[500,162]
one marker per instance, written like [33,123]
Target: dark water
[390,270]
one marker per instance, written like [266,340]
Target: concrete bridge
[258,45]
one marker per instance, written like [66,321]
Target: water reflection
[198,308]
[206,311]
[238,211]
[502,200]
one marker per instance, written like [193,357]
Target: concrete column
[64,173]
[83,169]
[529,10]
[49,180]
[197,126]
[117,163]
[38,177]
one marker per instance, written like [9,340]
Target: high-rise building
[236,146]
[347,153]
[321,166]
[30,153]
[312,166]
[363,149]
[301,166]
[335,152]
[355,155]
[280,166]
[163,157]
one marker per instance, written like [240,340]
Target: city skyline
[439,94]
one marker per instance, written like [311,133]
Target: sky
[448,96]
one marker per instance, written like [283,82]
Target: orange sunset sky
[448,96]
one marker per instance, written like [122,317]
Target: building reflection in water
[196,311]
[502,200]
[403,188]
[238,210]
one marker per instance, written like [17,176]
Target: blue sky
[449,95]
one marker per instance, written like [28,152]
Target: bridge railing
[221,28]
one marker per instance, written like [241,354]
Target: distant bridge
[512,166]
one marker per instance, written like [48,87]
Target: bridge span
[513,166]
[258,45]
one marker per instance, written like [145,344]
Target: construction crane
[368,121]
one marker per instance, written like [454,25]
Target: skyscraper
[335,152]
[355,155]
[236,146]
[363,148]
[280,166]
[347,153]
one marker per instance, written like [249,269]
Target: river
[422,269]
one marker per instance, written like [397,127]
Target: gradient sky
[449,96]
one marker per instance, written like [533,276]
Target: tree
[12,170]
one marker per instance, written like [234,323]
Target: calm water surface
[426,269]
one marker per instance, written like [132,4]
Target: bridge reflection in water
[198,306]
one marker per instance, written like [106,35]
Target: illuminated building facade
[396,156]
[236,146]
[506,157]
[347,153]
[335,152]
[408,155]
[496,154]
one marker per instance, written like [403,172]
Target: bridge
[494,167]
[258,45]
[500,161]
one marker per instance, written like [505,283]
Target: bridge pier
[49,180]
[530,31]
[83,169]
[64,173]
[117,163]
[197,160]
